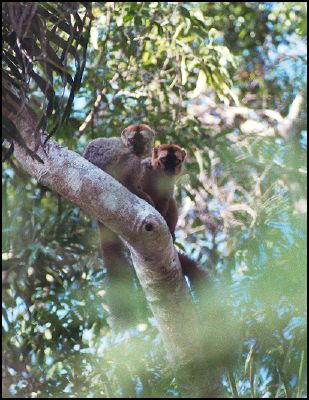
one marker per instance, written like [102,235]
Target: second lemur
[158,180]
[121,158]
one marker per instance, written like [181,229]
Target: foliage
[262,36]
[242,207]
[41,39]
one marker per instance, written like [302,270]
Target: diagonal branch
[140,226]
[289,127]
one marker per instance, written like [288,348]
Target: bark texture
[143,230]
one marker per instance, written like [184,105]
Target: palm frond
[44,49]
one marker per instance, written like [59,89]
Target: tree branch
[264,122]
[289,127]
[138,224]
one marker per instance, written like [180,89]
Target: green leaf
[184,12]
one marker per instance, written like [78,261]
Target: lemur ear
[148,128]
[184,153]
[155,152]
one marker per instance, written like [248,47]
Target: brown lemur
[152,180]
[121,158]
[159,176]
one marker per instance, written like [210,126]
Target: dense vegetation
[220,79]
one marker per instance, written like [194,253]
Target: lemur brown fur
[121,158]
[159,175]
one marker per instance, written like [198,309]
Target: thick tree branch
[138,224]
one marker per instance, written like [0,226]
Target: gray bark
[140,226]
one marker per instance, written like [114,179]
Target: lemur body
[152,179]
[121,157]
[158,180]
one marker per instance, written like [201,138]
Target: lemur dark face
[138,138]
[168,158]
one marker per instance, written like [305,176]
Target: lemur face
[138,138]
[168,158]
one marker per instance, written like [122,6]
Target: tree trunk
[140,226]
